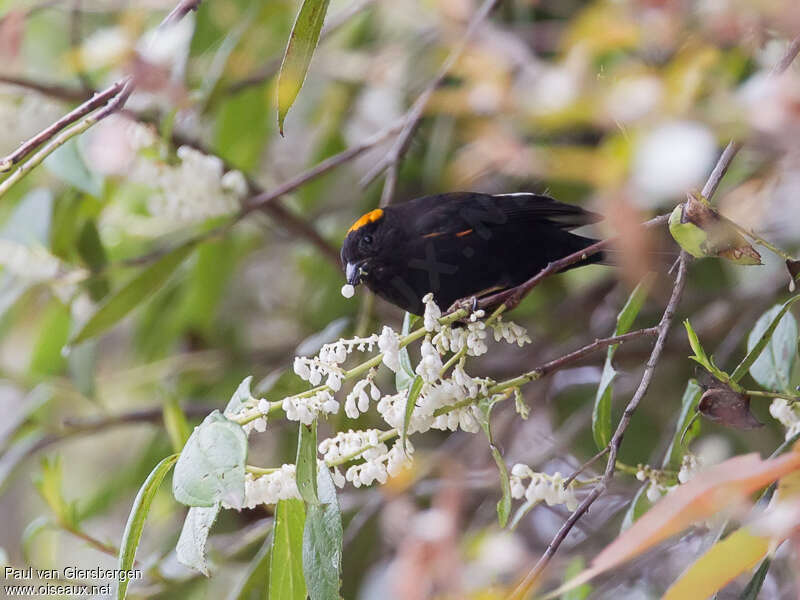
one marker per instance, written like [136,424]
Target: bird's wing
[457,212]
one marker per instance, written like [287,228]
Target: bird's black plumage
[460,244]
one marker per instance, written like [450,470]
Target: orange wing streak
[463,233]
[366,219]
[434,234]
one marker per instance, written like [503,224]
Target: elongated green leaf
[581,592]
[322,542]
[175,423]
[138,514]
[307,463]
[675,452]
[485,407]
[90,249]
[405,374]
[411,404]
[753,587]
[286,581]
[47,358]
[255,584]
[758,347]
[211,466]
[636,509]
[302,42]
[191,548]
[504,504]
[773,366]
[601,415]
[134,293]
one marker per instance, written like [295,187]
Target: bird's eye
[367,239]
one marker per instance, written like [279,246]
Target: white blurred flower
[306,409]
[510,332]
[167,47]
[542,487]
[672,159]
[106,48]
[30,262]
[787,414]
[269,489]
[389,344]
[193,190]
[632,98]
[430,363]
[432,314]
[23,116]
[690,466]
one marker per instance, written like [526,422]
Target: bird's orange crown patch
[366,219]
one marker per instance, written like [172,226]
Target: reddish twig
[99,99]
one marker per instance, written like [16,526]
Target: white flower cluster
[306,409]
[380,462]
[281,484]
[655,486]
[357,400]
[328,360]
[23,116]
[788,415]
[542,487]
[690,466]
[259,425]
[196,189]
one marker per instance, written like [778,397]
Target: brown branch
[663,327]
[392,159]
[616,440]
[99,99]
[513,296]
[51,90]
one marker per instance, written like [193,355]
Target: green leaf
[322,542]
[191,548]
[147,282]
[772,368]
[211,466]
[411,404]
[753,588]
[636,509]
[136,518]
[90,249]
[175,423]
[504,504]
[601,415]
[241,397]
[47,358]
[689,236]
[405,375]
[286,580]
[307,463]
[48,483]
[575,566]
[485,407]
[67,163]
[302,42]
[254,585]
[675,452]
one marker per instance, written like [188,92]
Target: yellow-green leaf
[302,42]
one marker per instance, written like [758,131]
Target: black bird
[460,245]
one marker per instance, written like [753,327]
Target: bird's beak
[354,272]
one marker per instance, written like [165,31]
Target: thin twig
[613,447]
[51,90]
[64,136]
[413,116]
[511,297]
[49,132]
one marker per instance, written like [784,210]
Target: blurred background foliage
[622,106]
